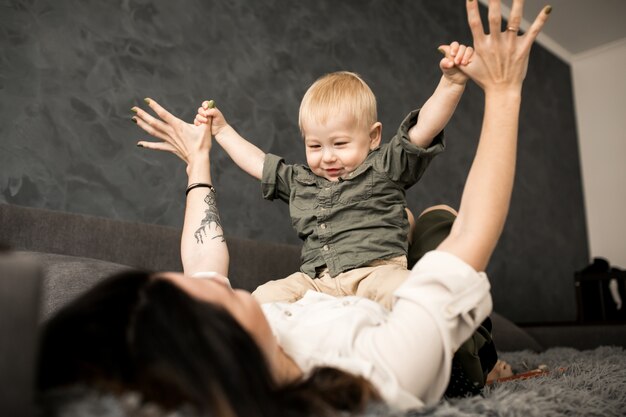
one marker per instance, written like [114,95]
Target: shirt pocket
[304,194]
[358,188]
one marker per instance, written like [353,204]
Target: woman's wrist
[199,169]
[509,93]
[504,100]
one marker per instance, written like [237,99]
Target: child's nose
[328,155]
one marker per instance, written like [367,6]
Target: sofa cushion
[507,336]
[141,245]
[65,277]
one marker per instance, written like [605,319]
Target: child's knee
[440,207]
[381,284]
[431,227]
[287,290]
[272,292]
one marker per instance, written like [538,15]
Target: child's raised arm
[498,67]
[438,109]
[246,155]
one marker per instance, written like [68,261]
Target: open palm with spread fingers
[500,60]
[182,139]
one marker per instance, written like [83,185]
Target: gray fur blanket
[581,383]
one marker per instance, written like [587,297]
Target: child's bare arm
[246,155]
[438,109]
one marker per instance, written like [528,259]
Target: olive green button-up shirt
[359,219]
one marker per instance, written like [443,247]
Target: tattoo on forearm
[211,216]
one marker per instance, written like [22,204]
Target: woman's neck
[285,369]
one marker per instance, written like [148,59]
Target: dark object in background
[20,291]
[601,292]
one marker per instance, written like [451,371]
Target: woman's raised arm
[203,247]
[498,66]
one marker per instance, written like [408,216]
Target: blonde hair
[338,92]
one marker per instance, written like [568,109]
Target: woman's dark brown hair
[136,332]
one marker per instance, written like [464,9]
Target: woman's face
[215,288]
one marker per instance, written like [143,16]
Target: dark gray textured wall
[71,69]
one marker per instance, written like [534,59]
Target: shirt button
[325,247]
[287,313]
[323,225]
[327,189]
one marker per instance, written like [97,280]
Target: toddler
[348,204]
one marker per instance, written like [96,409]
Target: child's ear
[376,132]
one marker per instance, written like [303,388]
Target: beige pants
[377,281]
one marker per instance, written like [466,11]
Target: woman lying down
[194,342]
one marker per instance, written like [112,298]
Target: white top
[405,353]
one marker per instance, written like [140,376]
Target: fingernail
[133,109]
[548,10]
[139,145]
[133,119]
[147,100]
[442,51]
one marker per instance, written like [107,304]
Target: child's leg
[429,230]
[289,289]
[377,282]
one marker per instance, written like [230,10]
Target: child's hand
[456,56]
[208,113]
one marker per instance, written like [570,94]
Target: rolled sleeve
[404,161]
[436,146]
[275,181]
[451,289]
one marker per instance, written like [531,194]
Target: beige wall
[599,79]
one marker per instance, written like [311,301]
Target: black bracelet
[198,185]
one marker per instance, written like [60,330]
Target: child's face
[339,146]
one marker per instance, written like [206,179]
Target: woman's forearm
[487,193]
[203,247]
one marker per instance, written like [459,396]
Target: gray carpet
[593,384]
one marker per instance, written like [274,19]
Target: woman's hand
[500,60]
[182,139]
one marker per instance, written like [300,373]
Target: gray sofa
[55,256]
